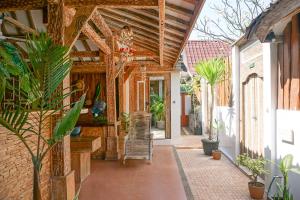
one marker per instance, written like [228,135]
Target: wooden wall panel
[224,88]
[289,67]
[295,64]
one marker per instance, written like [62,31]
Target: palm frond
[212,70]
[68,122]
[13,120]
[50,63]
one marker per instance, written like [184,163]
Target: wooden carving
[81,18]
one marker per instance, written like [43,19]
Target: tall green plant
[157,107]
[213,72]
[41,91]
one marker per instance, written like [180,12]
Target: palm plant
[213,72]
[40,96]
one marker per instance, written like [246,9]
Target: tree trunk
[211,112]
[36,183]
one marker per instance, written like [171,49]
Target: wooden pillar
[168,104]
[63,180]
[112,137]
[122,132]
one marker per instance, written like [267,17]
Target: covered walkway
[137,180]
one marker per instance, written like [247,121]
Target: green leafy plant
[213,72]
[255,165]
[285,166]
[42,96]
[157,107]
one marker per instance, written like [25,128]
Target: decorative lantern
[125,44]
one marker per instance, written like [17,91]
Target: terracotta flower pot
[209,146]
[256,190]
[216,154]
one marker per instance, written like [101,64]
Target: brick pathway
[213,180]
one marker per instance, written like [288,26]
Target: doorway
[158,107]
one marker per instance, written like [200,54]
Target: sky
[208,11]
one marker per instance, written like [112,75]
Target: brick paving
[213,180]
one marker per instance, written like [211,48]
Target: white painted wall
[229,117]
[269,103]
[227,133]
[175,105]
[287,122]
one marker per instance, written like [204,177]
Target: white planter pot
[160,124]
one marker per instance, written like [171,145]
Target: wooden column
[63,180]
[168,104]
[112,137]
[122,132]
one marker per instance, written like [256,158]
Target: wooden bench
[81,149]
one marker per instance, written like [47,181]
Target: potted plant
[40,96]
[257,167]
[285,166]
[158,110]
[213,72]
[217,154]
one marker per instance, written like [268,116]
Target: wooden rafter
[155,68]
[162,5]
[127,20]
[87,47]
[80,19]
[84,54]
[88,68]
[128,72]
[193,20]
[179,10]
[92,35]
[19,25]
[12,5]
[101,24]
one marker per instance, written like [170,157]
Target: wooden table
[81,149]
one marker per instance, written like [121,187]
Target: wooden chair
[139,141]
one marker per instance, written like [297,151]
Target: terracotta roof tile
[199,50]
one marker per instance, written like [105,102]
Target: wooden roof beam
[20,25]
[82,67]
[92,35]
[84,54]
[101,24]
[81,18]
[162,16]
[13,5]
[179,10]
[114,3]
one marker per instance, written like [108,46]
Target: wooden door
[251,104]
[252,116]
[141,96]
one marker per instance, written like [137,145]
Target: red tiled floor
[138,180]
